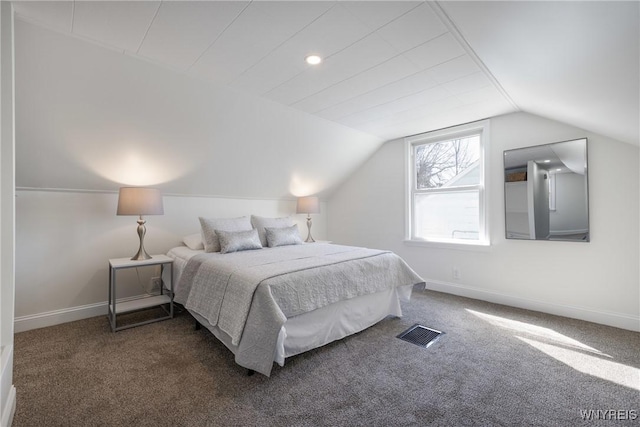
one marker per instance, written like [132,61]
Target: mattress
[308,330]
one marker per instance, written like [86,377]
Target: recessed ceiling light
[313,59]
[546,161]
[558,169]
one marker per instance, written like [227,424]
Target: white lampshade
[308,205]
[140,201]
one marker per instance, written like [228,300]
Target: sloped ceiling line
[146,33]
[446,20]
[73,15]
[219,35]
[574,62]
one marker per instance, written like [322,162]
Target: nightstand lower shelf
[142,303]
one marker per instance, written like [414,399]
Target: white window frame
[483,129]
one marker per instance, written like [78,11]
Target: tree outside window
[446,202]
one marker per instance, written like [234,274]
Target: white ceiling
[391,68]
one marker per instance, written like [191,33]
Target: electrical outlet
[156,283]
[455,272]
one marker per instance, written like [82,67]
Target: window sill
[476,246]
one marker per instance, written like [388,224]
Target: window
[446,197]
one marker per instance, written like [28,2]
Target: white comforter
[250,294]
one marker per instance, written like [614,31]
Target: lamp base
[141,254]
[309,238]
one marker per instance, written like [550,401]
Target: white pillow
[283,236]
[193,241]
[260,223]
[210,225]
[234,241]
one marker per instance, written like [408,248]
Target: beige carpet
[494,366]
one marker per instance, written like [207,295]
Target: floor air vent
[420,335]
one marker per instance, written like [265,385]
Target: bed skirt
[327,324]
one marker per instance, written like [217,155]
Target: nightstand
[163,300]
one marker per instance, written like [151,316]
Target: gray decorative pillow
[282,236]
[208,227]
[260,223]
[234,241]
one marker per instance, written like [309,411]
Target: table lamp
[309,205]
[140,201]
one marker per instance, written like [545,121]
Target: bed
[269,304]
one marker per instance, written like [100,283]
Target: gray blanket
[250,294]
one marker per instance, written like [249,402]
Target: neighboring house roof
[473,169]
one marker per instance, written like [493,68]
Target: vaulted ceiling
[390,68]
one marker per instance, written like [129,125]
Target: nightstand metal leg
[171,287]
[111,309]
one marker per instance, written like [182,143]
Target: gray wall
[596,281]
[65,239]
[90,120]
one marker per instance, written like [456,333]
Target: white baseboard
[618,320]
[56,317]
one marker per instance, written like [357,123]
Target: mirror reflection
[546,192]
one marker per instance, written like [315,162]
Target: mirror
[546,192]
